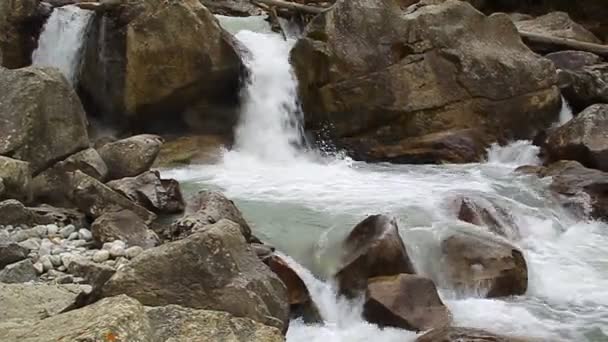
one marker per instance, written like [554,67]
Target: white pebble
[52,229]
[134,251]
[101,256]
[67,230]
[85,234]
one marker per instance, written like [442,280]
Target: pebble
[62,268]
[52,229]
[67,230]
[73,236]
[85,234]
[117,251]
[101,256]
[57,250]
[9,227]
[134,251]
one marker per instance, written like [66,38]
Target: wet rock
[557,24]
[484,213]
[94,274]
[372,249]
[120,318]
[207,208]
[51,124]
[217,271]
[151,192]
[52,184]
[19,272]
[423,93]
[123,225]
[96,199]
[482,263]
[184,150]
[405,301]
[16,178]
[176,323]
[25,302]
[582,139]
[455,334]
[11,252]
[131,156]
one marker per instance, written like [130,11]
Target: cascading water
[62,39]
[304,207]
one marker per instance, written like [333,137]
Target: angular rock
[13,212]
[26,302]
[94,274]
[177,323]
[112,319]
[557,24]
[217,271]
[483,263]
[16,179]
[207,208]
[184,150]
[11,252]
[423,88]
[123,225]
[456,334]
[95,198]
[484,213]
[50,185]
[19,272]
[151,192]
[372,249]
[51,124]
[131,156]
[405,301]
[582,139]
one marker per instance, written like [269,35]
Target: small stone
[9,227]
[11,253]
[101,256]
[73,236]
[79,280]
[39,267]
[66,259]
[79,245]
[46,263]
[62,268]
[67,230]
[134,251]
[110,263]
[85,234]
[45,247]
[41,231]
[4,235]
[54,274]
[57,250]
[52,229]
[65,279]
[117,251]
[55,260]
[109,245]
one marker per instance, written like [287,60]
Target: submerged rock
[123,225]
[423,92]
[372,249]
[15,176]
[214,269]
[131,156]
[405,301]
[484,213]
[456,334]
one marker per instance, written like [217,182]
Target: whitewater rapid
[305,204]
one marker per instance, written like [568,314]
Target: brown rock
[19,23]
[405,301]
[484,213]
[455,334]
[131,156]
[557,24]
[151,192]
[200,149]
[123,225]
[372,249]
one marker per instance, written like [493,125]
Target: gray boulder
[93,273]
[151,192]
[51,124]
[131,156]
[214,269]
[16,178]
[123,225]
[19,272]
[11,252]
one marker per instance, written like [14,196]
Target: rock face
[557,24]
[19,22]
[132,156]
[176,323]
[112,319]
[151,192]
[207,208]
[153,70]
[372,249]
[16,178]
[481,263]
[405,301]
[217,270]
[455,334]
[123,225]
[50,185]
[582,139]
[51,124]
[27,302]
[424,92]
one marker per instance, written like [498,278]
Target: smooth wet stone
[67,230]
[133,252]
[101,256]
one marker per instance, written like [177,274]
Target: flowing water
[304,204]
[61,42]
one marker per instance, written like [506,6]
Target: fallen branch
[292,6]
[558,44]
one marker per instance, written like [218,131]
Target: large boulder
[372,249]
[485,264]
[151,192]
[582,139]
[456,334]
[214,269]
[19,23]
[123,225]
[50,185]
[405,301]
[158,76]
[11,252]
[131,156]
[423,88]
[557,24]
[51,123]
[27,302]
[16,179]
[176,323]
[207,208]
[19,272]
[112,319]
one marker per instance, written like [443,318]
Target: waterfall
[565,113]
[62,39]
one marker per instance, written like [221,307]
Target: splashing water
[61,41]
[521,152]
[565,113]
